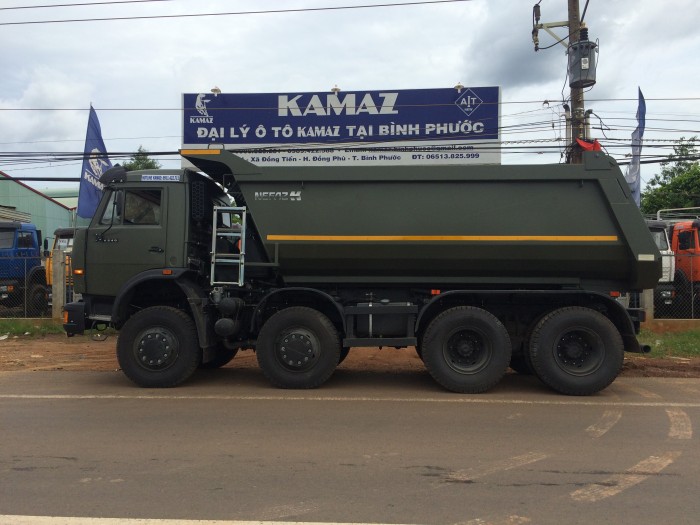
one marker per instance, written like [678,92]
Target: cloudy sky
[135,71]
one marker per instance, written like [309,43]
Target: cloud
[135,65]
[46,88]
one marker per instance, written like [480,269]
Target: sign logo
[98,165]
[201,106]
[468,102]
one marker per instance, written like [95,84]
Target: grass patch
[672,344]
[682,343]
[34,327]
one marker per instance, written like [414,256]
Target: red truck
[684,242]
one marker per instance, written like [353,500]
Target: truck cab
[22,278]
[684,242]
[146,223]
[62,241]
[664,292]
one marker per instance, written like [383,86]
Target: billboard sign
[414,126]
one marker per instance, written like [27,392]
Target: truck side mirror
[46,247]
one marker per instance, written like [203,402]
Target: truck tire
[576,351]
[158,347]
[466,349]
[298,347]
[37,300]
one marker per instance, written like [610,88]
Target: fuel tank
[528,226]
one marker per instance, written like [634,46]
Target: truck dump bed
[530,226]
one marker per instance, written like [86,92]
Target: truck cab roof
[16,225]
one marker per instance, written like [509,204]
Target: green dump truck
[476,267]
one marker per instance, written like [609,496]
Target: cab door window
[686,240]
[113,213]
[141,207]
[25,240]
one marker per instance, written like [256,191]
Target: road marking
[681,426]
[647,394]
[282,511]
[608,420]
[459,400]
[468,475]
[690,390]
[509,520]
[619,482]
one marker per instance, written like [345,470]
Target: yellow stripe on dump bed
[446,238]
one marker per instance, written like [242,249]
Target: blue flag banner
[633,172]
[95,162]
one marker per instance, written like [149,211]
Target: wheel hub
[579,352]
[298,350]
[466,351]
[156,350]
[573,349]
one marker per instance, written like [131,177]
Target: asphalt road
[366,448]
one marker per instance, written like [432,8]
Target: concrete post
[58,287]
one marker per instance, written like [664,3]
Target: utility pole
[581,70]
[578,129]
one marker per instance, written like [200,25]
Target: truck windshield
[660,239]
[7,238]
[63,243]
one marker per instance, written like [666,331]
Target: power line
[271,108]
[82,4]
[234,13]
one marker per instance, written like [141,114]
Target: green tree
[678,184]
[141,161]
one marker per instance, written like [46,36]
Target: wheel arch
[175,289]
[298,296]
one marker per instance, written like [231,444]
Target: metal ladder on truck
[228,245]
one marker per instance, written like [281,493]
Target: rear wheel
[576,351]
[298,347]
[158,347]
[466,349]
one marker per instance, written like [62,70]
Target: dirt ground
[58,352]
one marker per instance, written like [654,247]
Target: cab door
[127,236]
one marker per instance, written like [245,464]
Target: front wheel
[298,347]
[466,349]
[158,347]
[576,351]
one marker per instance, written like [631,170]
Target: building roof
[9,178]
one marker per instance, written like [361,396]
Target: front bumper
[74,318]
